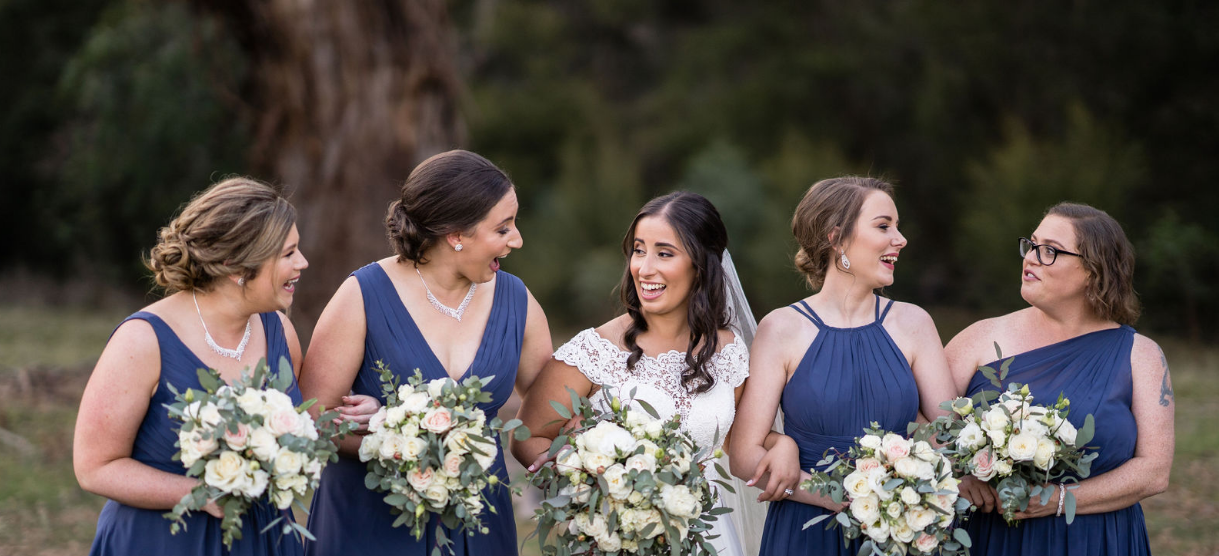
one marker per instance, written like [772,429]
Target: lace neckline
[663,357]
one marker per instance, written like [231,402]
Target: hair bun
[171,263]
[404,233]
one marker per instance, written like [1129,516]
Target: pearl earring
[846,263]
[241,281]
[457,247]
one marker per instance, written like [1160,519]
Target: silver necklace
[211,342]
[445,309]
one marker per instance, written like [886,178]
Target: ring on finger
[788,492]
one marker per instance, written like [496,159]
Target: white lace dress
[657,381]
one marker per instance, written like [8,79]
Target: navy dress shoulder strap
[808,312]
[880,315]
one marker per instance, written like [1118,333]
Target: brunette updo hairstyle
[231,228]
[704,237]
[447,193]
[1109,259]
[829,204]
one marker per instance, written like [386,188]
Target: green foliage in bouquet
[1017,447]
[430,449]
[625,480]
[247,443]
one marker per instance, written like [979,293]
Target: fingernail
[749,483]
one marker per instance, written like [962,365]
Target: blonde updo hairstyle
[231,228]
[1109,259]
[448,193]
[829,205]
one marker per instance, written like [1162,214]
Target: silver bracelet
[1062,494]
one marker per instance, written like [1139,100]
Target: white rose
[612,439]
[412,447]
[437,495]
[919,517]
[1044,457]
[995,419]
[251,401]
[568,461]
[925,471]
[277,401]
[1003,468]
[681,463]
[1066,433]
[679,501]
[579,492]
[901,531]
[395,415]
[876,481]
[287,462]
[906,467]
[264,444]
[610,543]
[257,483]
[970,437]
[635,499]
[596,462]
[195,446]
[415,403]
[637,419]
[924,451]
[650,448]
[294,483]
[856,485]
[596,526]
[370,445]
[391,446]
[210,414]
[487,458]
[630,545]
[949,484]
[878,531]
[654,429]
[682,527]
[457,441]
[651,517]
[866,509]
[894,509]
[909,496]
[435,388]
[1034,427]
[313,468]
[641,462]
[870,441]
[1022,447]
[618,481]
[376,423]
[282,499]
[227,472]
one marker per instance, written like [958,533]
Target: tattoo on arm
[1166,395]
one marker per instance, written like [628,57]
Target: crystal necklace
[211,342]
[445,309]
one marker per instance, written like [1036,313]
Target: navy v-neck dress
[347,517]
[1093,371]
[123,530]
[848,378]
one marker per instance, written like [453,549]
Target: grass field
[46,357]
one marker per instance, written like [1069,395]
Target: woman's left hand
[358,409]
[1037,509]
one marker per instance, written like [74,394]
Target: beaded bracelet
[1062,494]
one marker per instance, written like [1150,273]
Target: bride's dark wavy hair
[704,237]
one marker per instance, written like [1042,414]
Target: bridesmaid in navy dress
[1076,340]
[230,263]
[835,361]
[442,306]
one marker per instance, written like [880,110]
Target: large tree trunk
[351,95]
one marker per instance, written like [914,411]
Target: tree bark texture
[351,95]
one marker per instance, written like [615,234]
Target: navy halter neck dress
[1093,371]
[347,517]
[848,378]
[123,530]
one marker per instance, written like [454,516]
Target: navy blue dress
[123,530]
[848,378]
[1093,371]
[347,517]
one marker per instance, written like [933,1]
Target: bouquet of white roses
[1015,445]
[625,481]
[249,443]
[430,449]
[901,493]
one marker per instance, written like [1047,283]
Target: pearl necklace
[211,342]
[445,309]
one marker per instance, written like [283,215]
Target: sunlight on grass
[53,338]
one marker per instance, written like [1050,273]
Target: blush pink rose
[895,447]
[984,465]
[238,440]
[437,420]
[864,465]
[926,543]
[283,422]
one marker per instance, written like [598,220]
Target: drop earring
[846,263]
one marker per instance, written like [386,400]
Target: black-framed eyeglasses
[1046,254]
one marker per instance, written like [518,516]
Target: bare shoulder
[910,316]
[136,336]
[725,337]
[783,318]
[1147,358]
[615,329]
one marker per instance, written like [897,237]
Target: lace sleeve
[597,358]
[732,363]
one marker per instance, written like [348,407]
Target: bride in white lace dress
[673,346]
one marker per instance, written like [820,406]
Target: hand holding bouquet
[1016,446]
[624,481]
[431,449]
[902,495]
[249,443]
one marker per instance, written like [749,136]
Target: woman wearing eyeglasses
[1075,339]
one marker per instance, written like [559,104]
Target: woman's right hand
[782,463]
[981,495]
[212,509]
